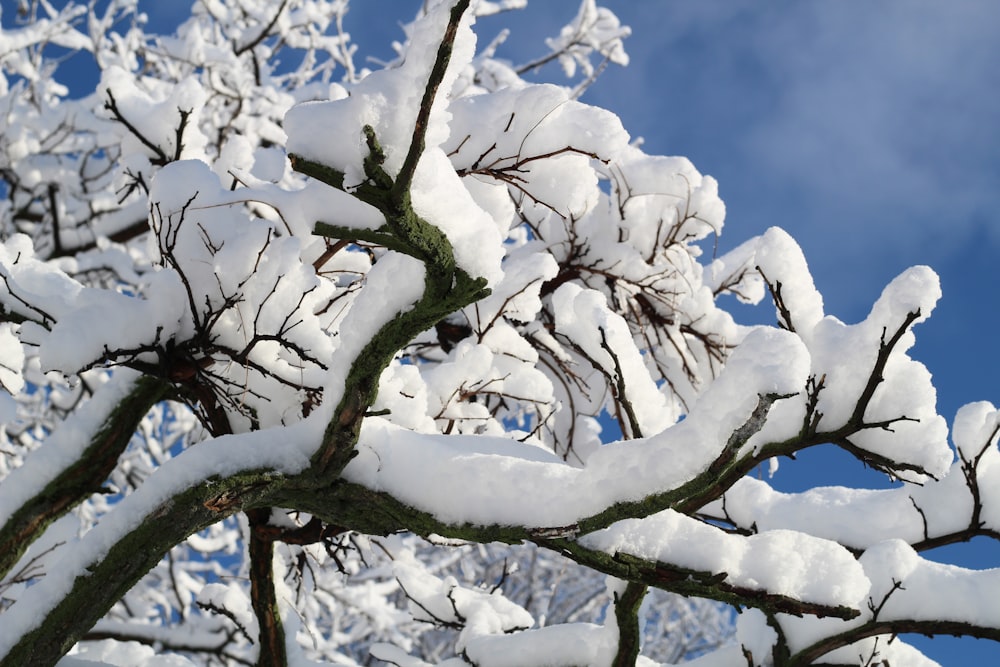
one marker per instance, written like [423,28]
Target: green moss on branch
[627,616]
[81,478]
[108,579]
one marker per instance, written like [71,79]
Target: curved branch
[446,288]
[809,655]
[707,485]
[378,513]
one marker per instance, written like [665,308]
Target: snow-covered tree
[304,362]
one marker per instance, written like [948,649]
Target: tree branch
[378,513]
[814,652]
[629,632]
[262,595]
[112,106]
[203,503]
[79,479]
[446,288]
[401,189]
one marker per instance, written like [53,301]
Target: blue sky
[869,130]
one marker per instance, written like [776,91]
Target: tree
[264,331]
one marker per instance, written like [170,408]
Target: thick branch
[107,579]
[366,192]
[809,436]
[380,237]
[82,477]
[378,513]
[711,483]
[362,381]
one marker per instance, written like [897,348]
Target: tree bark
[262,595]
[629,631]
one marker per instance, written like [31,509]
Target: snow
[517,297]
[249,285]
[974,433]
[781,262]
[233,600]
[905,587]
[11,363]
[756,635]
[974,430]
[839,350]
[496,632]
[438,196]
[563,645]
[300,209]
[929,591]
[73,325]
[453,470]
[594,28]
[583,317]
[903,424]
[482,613]
[657,190]
[908,429]
[456,477]
[505,132]
[392,286]
[860,518]
[100,320]
[882,648]
[121,654]
[387,100]
[782,562]
[854,517]
[156,114]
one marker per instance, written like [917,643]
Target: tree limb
[262,595]
[629,632]
[82,477]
